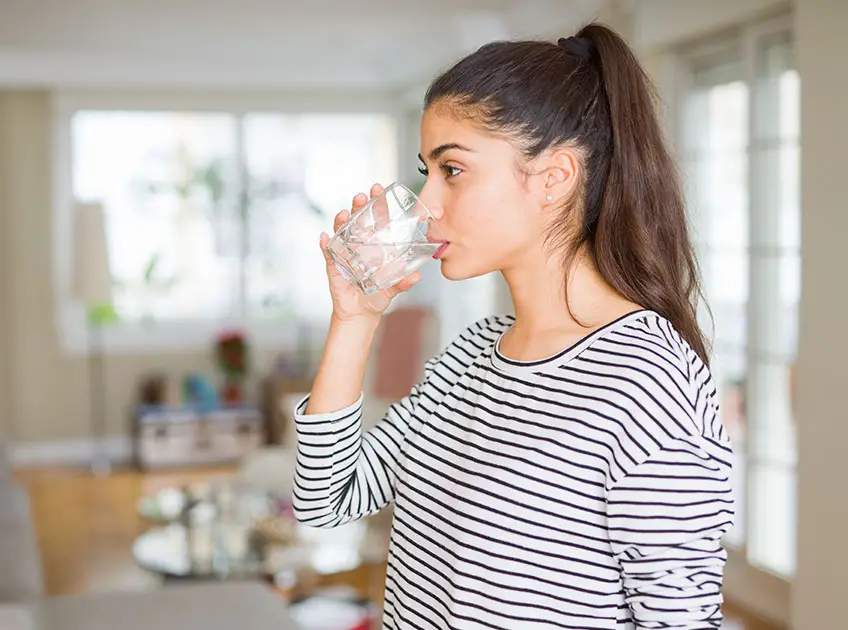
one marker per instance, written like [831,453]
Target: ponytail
[640,242]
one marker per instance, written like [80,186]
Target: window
[215,216]
[740,155]
[716,163]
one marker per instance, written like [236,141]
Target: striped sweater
[589,490]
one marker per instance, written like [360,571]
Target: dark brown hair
[590,92]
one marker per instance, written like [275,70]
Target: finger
[407,283]
[358,201]
[376,190]
[341,219]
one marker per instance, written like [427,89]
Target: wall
[35,382]
[6,302]
[820,585]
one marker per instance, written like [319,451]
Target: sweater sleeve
[342,473]
[666,520]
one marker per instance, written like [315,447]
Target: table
[166,550]
[206,547]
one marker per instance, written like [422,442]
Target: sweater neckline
[505,364]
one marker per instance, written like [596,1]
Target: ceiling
[317,44]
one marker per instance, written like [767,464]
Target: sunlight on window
[163,213]
[215,216]
[303,170]
[741,160]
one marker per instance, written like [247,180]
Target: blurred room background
[165,171]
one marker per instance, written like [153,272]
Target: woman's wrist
[341,372]
[364,321]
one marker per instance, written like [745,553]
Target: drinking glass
[387,239]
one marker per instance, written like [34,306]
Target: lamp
[92,285]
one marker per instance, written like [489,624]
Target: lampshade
[92,278]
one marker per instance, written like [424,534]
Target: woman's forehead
[443,126]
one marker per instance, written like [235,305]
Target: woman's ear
[558,170]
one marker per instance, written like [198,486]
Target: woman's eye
[450,171]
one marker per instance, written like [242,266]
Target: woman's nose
[432,201]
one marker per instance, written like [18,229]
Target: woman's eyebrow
[435,153]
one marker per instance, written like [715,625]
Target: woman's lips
[440,252]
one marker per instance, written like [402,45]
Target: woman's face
[487,207]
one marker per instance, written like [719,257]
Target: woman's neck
[544,322]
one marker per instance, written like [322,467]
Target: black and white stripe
[589,490]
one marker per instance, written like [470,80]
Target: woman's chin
[452,270]
[449,271]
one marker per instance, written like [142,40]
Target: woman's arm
[343,473]
[341,373]
[666,521]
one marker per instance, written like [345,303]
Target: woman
[563,468]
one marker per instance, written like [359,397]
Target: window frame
[188,335]
[759,589]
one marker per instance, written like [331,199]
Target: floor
[86,524]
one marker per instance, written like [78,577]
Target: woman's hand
[348,302]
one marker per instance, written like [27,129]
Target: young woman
[563,468]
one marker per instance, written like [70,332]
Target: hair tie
[579,46]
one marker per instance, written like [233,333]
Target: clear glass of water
[386,240]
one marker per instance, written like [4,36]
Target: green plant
[102,314]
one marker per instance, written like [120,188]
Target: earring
[550,197]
